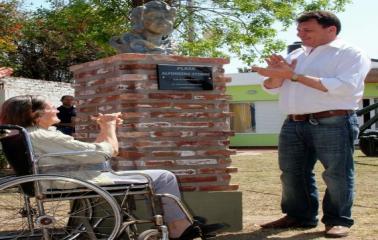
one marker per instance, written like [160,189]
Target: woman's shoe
[193,231]
[211,228]
[198,229]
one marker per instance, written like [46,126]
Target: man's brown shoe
[336,231]
[287,222]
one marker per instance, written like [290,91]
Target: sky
[358,28]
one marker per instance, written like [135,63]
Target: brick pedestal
[186,132]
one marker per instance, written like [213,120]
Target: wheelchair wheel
[62,208]
[150,234]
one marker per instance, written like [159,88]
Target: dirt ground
[258,178]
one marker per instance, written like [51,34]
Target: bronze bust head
[151,25]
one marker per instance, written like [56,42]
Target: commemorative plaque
[184,77]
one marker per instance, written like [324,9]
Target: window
[244,120]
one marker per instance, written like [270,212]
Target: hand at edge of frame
[5,72]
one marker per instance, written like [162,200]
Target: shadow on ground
[269,234]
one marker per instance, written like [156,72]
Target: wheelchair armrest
[135,173]
[76,153]
[106,161]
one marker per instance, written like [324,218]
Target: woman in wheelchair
[38,116]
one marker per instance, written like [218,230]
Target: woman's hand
[108,119]
[108,124]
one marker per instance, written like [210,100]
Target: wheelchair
[47,206]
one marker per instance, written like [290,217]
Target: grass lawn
[258,178]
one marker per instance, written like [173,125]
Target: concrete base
[221,207]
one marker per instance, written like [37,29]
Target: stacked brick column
[186,132]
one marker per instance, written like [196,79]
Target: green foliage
[54,39]
[245,28]
[10,30]
[44,43]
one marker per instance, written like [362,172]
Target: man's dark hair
[22,110]
[64,96]
[324,18]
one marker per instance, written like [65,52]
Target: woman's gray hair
[22,110]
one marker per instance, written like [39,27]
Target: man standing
[67,113]
[320,86]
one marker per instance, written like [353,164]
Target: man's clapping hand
[277,68]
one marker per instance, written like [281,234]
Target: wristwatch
[294,78]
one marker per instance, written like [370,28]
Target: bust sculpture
[151,25]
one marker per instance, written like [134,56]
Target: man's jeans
[300,145]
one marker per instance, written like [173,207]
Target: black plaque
[184,77]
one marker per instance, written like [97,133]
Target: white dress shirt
[342,70]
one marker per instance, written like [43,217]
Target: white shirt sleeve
[352,71]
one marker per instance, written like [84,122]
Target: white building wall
[242,79]
[269,119]
[12,86]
